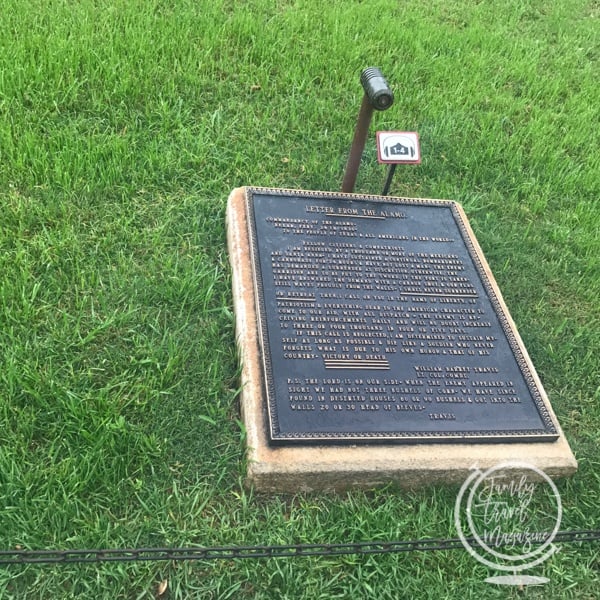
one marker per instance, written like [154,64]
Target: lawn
[123,128]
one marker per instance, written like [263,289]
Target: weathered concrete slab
[332,466]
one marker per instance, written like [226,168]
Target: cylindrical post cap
[376,88]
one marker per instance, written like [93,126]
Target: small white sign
[398,147]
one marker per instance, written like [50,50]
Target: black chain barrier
[22,557]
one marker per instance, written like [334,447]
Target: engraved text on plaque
[378,322]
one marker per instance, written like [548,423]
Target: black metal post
[388,181]
[379,96]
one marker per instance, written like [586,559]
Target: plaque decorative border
[549,431]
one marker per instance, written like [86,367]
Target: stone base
[337,468]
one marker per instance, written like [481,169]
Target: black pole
[379,96]
[388,181]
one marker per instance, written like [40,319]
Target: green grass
[123,128]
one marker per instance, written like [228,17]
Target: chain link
[13,557]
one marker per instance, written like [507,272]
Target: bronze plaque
[378,322]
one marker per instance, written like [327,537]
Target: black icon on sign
[400,150]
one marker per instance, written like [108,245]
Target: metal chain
[14,557]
